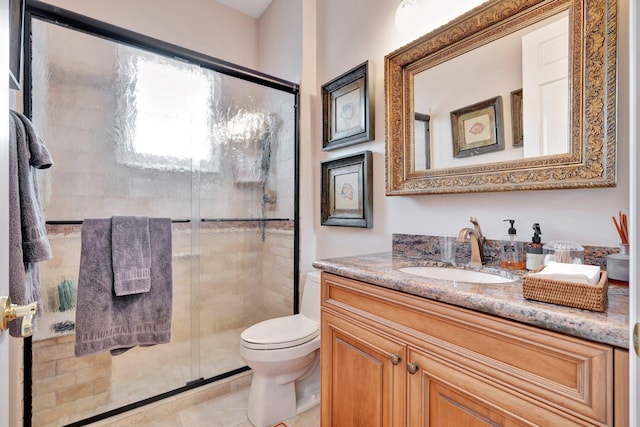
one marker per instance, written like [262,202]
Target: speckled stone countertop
[503,299]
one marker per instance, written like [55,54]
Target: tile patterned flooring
[229,410]
[220,405]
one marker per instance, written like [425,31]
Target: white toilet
[284,354]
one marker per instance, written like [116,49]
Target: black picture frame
[478,128]
[422,142]
[16,29]
[346,192]
[348,108]
[517,118]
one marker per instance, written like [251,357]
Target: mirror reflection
[518,95]
[525,72]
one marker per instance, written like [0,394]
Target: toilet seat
[281,332]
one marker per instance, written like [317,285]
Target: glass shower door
[247,213]
[135,132]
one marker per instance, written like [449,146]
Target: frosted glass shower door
[247,209]
[91,107]
[135,132]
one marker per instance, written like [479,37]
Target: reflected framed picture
[477,129]
[347,108]
[516,118]
[346,193]
[16,25]
[421,142]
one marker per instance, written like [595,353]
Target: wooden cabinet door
[363,380]
[440,393]
[434,400]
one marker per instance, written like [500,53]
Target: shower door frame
[75,21]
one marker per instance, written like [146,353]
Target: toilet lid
[281,332]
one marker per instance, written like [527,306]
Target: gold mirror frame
[593,49]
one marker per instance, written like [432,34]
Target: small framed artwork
[421,143]
[347,197]
[16,25]
[347,109]
[477,129]
[516,118]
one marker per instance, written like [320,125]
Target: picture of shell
[477,128]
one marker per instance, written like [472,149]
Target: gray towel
[28,243]
[130,254]
[105,321]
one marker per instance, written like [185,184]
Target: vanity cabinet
[393,359]
[366,375]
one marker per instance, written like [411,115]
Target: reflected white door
[4,208]
[634,203]
[545,89]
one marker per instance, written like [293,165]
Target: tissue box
[588,297]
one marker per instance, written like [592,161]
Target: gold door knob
[9,311]
[395,359]
[412,368]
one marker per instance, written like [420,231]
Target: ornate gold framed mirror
[559,131]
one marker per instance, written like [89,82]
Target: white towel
[574,273]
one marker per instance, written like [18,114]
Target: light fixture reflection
[407,16]
[418,17]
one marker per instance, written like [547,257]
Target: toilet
[284,354]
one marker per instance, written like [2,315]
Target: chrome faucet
[476,239]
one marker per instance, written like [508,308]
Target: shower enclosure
[140,127]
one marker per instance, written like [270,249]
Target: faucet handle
[476,227]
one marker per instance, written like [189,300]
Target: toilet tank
[310,305]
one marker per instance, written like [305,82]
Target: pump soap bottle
[511,254]
[535,257]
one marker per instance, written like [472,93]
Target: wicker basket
[589,297]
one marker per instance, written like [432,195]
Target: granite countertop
[501,299]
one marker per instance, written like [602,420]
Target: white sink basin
[456,274]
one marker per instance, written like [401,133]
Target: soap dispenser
[535,257]
[511,253]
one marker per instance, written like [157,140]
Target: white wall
[280,40]
[354,31]
[204,26]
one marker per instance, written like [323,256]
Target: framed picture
[477,129]
[421,143]
[516,118]
[16,21]
[347,197]
[347,109]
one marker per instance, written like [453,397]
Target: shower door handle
[9,311]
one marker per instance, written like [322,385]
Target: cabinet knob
[395,359]
[412,368]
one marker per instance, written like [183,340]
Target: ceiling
[253,8]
